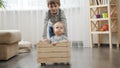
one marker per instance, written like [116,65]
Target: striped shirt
[55,39]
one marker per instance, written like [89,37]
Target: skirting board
[77,43]
[104,45]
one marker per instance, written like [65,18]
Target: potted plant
[2,4]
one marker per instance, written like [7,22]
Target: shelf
[99,19]
[98,6]
[100,32]
[114,17]
[113,4]
[97,23]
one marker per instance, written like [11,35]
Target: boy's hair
[50,2]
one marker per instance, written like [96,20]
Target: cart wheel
[43,64]
[68,63]
[55,63]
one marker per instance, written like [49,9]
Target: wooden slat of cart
[45,44]
[58,54]
[54,49]
[53,60]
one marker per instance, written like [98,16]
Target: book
[102,2]
[105,2]
[99,2]
[95,2]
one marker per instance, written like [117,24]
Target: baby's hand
[54,43]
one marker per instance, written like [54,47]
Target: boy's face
[53,8]
[58,28]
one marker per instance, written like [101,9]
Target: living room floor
[80,58]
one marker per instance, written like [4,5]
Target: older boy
[54,14]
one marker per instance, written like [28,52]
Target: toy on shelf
[104,15]
[98,16]
[104,28]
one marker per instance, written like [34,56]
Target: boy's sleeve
[45,25]
[52,39]
[63,19]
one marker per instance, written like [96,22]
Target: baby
[59,36]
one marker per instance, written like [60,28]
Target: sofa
[9,43]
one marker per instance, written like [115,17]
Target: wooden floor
[80,58]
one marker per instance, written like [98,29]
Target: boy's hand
[45,40]
[54,43]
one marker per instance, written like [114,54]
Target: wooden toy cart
[47,53]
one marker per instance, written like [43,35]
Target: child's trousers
[51,32]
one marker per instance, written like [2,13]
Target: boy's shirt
[60,16]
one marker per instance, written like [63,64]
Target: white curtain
[30,21]
[36,4]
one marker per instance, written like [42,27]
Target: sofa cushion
[10,36]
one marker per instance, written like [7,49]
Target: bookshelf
[103,20]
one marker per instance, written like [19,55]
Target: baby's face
[53,8]
[58,28]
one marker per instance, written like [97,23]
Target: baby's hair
[53,2]
[60,23]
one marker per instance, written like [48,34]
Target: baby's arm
[53,41]
[64,39]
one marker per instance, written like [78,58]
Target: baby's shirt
[55,39]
